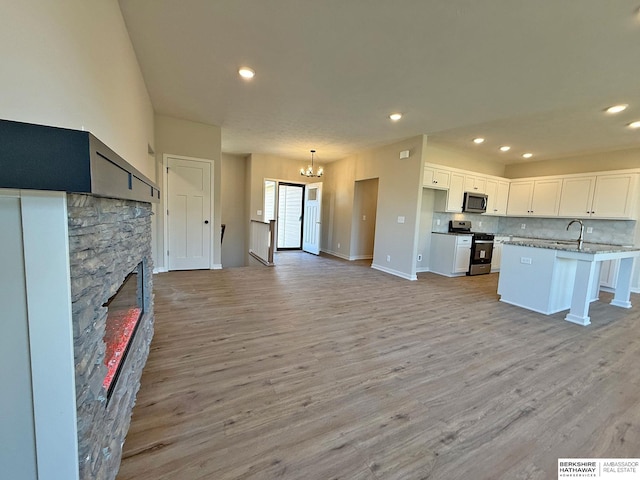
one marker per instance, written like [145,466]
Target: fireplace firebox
[124,311]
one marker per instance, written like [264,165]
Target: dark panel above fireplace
[39,157]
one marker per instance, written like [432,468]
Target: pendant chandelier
[309,171]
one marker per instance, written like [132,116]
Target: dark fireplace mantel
[39,157]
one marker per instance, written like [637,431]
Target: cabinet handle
[435,181]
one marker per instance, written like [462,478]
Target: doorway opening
[289,222]
[283,202]
[365,209]
[296,208]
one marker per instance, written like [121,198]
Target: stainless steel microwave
[474,202]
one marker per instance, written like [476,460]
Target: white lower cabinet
[496,256]
[450,254]
[609,273]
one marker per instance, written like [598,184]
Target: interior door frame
[277,208]
[165,203]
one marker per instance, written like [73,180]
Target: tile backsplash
[617,232]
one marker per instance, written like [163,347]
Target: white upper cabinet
[520,194]
[474,183]
[599,196]
[497,197]
[615,196]
[546,197]
[606,195]
[451,200]
[539,198]
[436,178]
[577,196]
[455,199]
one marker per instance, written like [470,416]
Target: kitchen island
[549,276]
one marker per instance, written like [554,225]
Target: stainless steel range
[481,247]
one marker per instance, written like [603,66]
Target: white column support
[582,292]
[622,293]
[48,286]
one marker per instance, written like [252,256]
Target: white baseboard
[336,254]
[160,270]
[216,266]
[361,257]
[422,270]
[391,271]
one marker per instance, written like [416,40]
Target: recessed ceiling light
[634,124]
[478,140]
[617,108]
[505,148]
[395,116]
[246,72]
[527,155]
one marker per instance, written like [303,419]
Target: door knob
[206,222]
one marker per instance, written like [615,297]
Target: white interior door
[312,216]
[188,214]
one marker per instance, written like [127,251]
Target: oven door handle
[483,241]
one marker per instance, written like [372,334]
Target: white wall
[426,222]
[452,156]
[586,162]
[399,195]
[70,63]
[179,137]
[233,196]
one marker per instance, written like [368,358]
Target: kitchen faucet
[580,238]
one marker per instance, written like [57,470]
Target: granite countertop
[571,246]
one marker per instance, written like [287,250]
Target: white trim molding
[397,273]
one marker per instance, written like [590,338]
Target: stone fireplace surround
[73,250]
[107,239]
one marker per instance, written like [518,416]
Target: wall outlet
[479,224]
[589,229]
[437,221]
[401,219]
[388,258]
[338,244]
[525,260]
[364,217]
[523,226]
[259,213]
[419,257]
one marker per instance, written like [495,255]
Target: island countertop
[548,276]
[572,246]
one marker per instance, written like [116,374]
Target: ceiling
[535,75]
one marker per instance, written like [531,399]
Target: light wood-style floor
[324,369]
